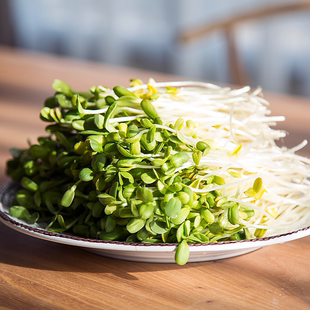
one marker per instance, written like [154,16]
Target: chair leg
[6,24]
[237,71]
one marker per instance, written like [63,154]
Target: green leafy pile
[110,170]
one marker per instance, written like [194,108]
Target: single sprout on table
[179,162]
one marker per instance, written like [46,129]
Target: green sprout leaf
[173,207]
[182,253]
[61,87]
[86,175]
[20,212]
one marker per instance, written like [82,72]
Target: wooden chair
[237,70]
[6,24]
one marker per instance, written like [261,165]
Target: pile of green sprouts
[110,169]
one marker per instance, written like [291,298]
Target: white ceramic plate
[157,253]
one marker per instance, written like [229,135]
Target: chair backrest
[237,70]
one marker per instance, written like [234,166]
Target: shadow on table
[25,251]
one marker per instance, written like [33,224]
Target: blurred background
[199,39]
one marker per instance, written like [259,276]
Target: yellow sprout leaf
[190,124]
[236,151]
[257,190]
[196,183]
[81,147]
[123,127]
[259,233]
[258,184]
[135,82]
[218,180]
[151,89]
[151,92]
[171,90]
[179,124]
[234,173]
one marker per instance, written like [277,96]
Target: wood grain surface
[36,274]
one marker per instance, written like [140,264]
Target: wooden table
[36,274]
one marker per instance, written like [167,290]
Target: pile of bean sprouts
[236,124]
